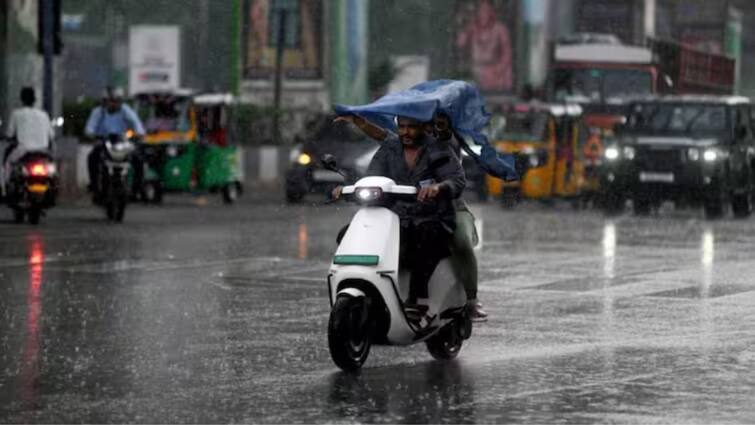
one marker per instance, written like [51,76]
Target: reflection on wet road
[33,302]
[210,314]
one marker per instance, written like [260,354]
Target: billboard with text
[154,58]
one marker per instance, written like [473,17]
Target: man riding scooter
[112,117]
[30,130]
[463,259]
[427,225]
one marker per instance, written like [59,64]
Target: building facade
[324,51]
[20,65]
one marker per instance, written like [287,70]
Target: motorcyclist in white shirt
[29,130]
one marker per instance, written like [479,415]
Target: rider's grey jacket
[437,163]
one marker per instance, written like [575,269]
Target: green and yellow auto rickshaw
[188,147]
[546,141]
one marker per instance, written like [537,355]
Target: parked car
[690,149]
[306,175]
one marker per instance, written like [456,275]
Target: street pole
[48,16]
[204,22]
[278,75]
[648,22]
[235,46]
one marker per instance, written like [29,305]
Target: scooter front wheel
[348,337]
[446,344]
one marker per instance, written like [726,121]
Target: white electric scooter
[367,289]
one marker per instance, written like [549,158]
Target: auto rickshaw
[187,147]
[547,142]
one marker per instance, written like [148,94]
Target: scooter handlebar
[394,190]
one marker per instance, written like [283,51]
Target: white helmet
[111,92]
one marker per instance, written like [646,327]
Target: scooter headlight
[368,194]
[120,151]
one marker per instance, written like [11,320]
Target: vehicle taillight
[38,169]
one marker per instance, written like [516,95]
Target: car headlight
[368,194]
[612,153]
[710,155]
[304,159]
[628,152]
[693,154]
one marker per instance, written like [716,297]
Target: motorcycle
[366,285]
[32,186]
[113,188]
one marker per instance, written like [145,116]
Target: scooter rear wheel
[446,344]
[348,337]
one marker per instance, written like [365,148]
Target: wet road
[210,314]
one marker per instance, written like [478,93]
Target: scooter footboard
[446,293]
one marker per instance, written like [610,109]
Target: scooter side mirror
[329,162]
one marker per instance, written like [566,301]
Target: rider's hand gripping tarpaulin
[459,100]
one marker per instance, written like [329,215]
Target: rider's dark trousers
[93,165]
[423,245]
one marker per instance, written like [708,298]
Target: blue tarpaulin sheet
[460,100]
